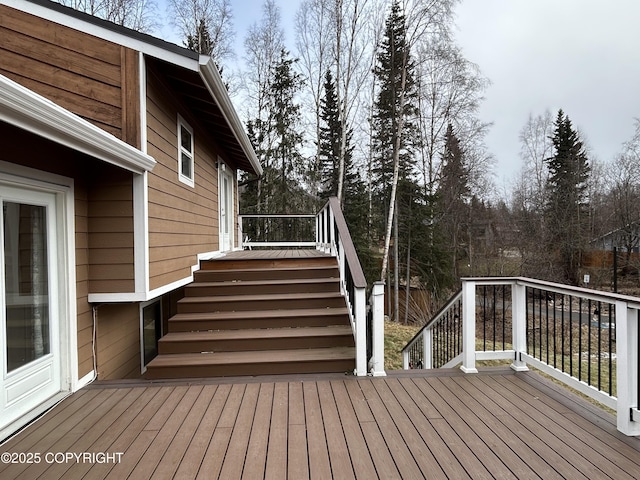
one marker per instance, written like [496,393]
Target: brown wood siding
[183,221]
[110,222]
[79,72]
[118,341]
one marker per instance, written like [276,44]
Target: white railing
[329,233]
[585,338]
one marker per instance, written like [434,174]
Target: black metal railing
[573,334]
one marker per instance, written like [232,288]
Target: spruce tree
[453,203]
[567,207]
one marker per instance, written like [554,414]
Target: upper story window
[185,152]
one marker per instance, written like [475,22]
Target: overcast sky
[579,55]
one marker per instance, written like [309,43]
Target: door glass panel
[225,205]
[26,283]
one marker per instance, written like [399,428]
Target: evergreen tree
[567,208]
[453,202]
[278,143]
[200,41]
[394,104]
[330,142]
[393,130]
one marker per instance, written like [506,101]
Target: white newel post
[377,307]
[427,345]
[360,318]
[519,325]
[469,327]
[627,368]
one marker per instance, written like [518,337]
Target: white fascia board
[26,109]
[211,77]
[93,28]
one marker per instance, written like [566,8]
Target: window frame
[182,151]
[157,302]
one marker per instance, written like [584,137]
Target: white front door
[30,357]
[226,209]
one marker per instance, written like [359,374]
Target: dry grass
[396,337]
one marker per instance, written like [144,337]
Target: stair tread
[256,356]
[258,333]
[247,283]
[266,314]
[274,268]
[259,297]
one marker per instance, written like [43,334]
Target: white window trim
[183,178]
[63,188]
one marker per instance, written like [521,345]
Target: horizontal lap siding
[77,71]
[110,225]
[183,221]
[118,341]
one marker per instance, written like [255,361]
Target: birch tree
[139,15]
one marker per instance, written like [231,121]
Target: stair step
[256,339]
[262,287]
[268,263]
[274,273]
[312,360]
[260,302]
[308,317]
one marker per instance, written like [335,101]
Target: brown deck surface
[444,424]
[272,254]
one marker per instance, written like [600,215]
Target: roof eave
[215,85]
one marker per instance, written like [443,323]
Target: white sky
[579,55]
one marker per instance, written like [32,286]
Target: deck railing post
[427,348]
[360,318]
[627,368]
[377,310]
[519,325]
[469,326]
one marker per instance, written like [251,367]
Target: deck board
[497,424]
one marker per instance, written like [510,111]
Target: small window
[151,331]
[185,152]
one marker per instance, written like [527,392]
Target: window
[185,152]
[151,331]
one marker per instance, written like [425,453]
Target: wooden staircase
[258,316]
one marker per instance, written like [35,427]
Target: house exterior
[118,174]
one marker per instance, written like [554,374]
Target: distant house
[118,173]
[623,239]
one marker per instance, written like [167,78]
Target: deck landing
[444,424]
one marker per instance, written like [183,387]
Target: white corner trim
[213,81]
[84,381]
[26,109]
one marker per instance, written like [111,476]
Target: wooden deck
[496,424]
[272,253]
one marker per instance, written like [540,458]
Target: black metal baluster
[580,339]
